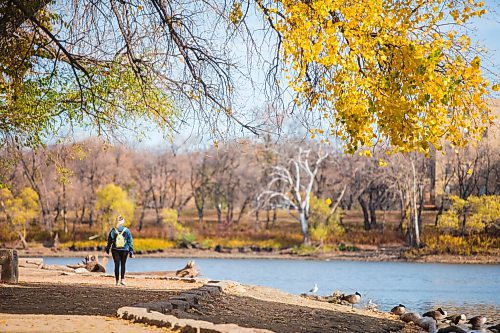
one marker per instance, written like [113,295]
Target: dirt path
[282,317]
[69,299]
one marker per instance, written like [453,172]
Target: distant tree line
[75,183]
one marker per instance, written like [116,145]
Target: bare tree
[297,177]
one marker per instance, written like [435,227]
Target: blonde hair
[119,220]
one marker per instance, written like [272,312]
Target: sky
[484,30]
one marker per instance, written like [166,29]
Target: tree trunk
[199,202]
[275,215]
[65,210]
[373,211]
[229,213]
[416,229]
[219,212]
[141,218]
[366,217]
[268,217]
[304,227]
[373,217]
[22,238]
[257,218]
[200,215]
[243,209]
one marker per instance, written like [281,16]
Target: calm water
[471,289]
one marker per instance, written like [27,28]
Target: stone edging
[157,313]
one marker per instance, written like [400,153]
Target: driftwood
[57,268]
[190,270]
[31,262]
[92,264]
[335,298]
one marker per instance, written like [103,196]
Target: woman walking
[121,245]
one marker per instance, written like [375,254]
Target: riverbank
[83,300]
[368,254]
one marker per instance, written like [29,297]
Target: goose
[314,289]
[495,328]
[457,319]
[477,321]
[436,314]
[409,317]
[352,299]
[398,310]
[427,323]
[451,329]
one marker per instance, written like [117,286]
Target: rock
[141,315]
[192,299]
[212,290]
[81,270]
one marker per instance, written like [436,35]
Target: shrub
[186,240]
[140,244]
[476,214]
[323,224]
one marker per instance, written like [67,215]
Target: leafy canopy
[385,70]
[40,91]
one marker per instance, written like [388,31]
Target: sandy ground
[15,323]
[50,301]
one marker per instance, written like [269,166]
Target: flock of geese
[432,319]
[429,320]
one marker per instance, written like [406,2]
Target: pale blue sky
[485,31]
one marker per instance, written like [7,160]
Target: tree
[19,210]
[297,178]
[111,202]
[387,72]
[201,177]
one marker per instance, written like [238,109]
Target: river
[458,288]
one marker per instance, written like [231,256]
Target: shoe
[122,283]
[117,282]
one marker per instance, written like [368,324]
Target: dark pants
[119,257]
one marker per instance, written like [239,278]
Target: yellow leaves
[235,15]
[382,162]
[411,97]
[495,87]
[366,153]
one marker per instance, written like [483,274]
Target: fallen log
[190,270]
[57,268]
[30,262]
[335,298]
